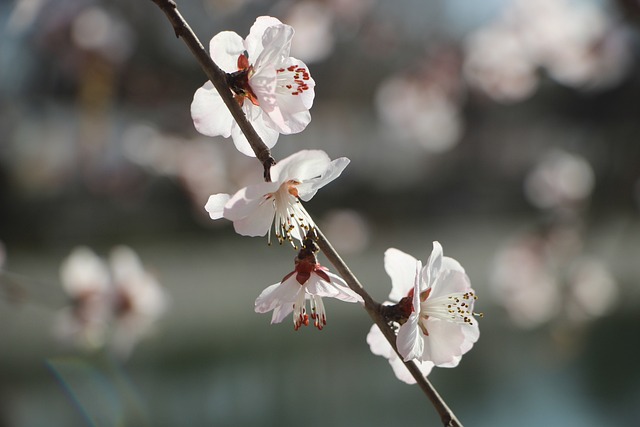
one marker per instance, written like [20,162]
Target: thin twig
[218,78]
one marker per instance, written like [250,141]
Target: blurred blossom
[23,15]
[423,107]
[351,12]
[113,305]
[139,299]
[216,7]
[593,291]
[97,30]
[348,230]
[313,22]
[561,180]
[85,278]
[199,165]
[497,63]
[38,167]
[523,285]
[577,43]
[545,276]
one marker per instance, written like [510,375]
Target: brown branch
[374,309]
[219,80]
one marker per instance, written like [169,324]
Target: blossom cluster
[434,314]
[113,304]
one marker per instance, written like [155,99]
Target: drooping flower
[308,281]
[254,209]
[274,90]
[437,301]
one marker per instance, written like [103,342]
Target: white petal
[283,293]
[253,42]
[225,48]
[304,101]
[378,343]
[381,347]
[248,199]
[434,264]
[301,166]
[215,205]
[258,222]
[276,44]
[471,336]
[401,268]
[450,282]
[309,188]
[257,118]
[451,264]
[280,312]
[444,342]
[410,339]
[336,289]
[83,272]
[403,374]
[209,113]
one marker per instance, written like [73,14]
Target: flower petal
[280,312]
[301,166]
[303,101]
[400,267]
[209,113]
[336,289]
[381,347]
[450,282]
[254,41]
[225,48]
[309,188]
[215,205]
[378,344]
[283,293]
[248,199]
[257,118]
[410,340]
[403,374]
[258,222]
[434,264]
[444,343]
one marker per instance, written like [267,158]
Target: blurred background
[505,129]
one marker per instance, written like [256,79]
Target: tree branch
[374,310]
[219,80]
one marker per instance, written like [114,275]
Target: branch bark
[219,80]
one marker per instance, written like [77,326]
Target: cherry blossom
[274,90]
[308,281]
[112,304]
[254,209]
[437,301]
[85,279]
